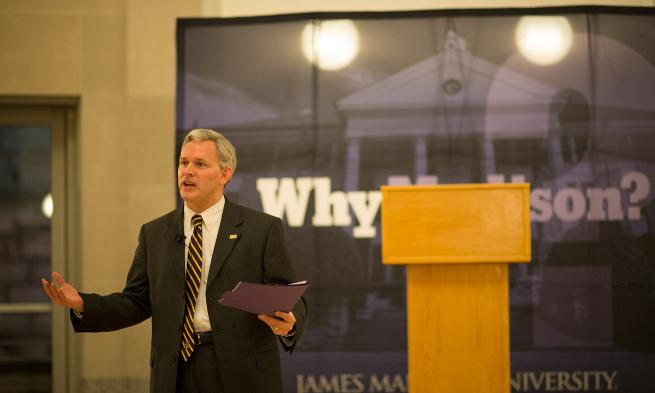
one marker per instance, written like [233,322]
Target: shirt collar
[210,217]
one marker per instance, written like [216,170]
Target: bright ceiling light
[544,40]
[47,206]
[331,44]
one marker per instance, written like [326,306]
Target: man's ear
[226,175]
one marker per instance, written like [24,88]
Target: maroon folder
[262,298]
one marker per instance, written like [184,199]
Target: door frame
[60,114]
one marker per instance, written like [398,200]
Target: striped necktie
[193,274]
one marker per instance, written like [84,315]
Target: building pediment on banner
[443,94]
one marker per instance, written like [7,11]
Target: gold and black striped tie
[193,274]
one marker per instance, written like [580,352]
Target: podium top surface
[459,223]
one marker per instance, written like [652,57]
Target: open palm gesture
[62,293]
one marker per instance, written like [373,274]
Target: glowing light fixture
[47,206]
[331,44]
[544,40]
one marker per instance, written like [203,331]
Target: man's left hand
[280,324]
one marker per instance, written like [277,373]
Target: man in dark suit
[184,262]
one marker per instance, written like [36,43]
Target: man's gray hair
[227,155]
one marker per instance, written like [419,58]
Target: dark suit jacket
[246,348]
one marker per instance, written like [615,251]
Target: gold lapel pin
[233,236]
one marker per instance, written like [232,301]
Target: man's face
[200,178]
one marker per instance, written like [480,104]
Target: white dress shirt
[211,221]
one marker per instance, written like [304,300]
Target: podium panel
[457,327]
[482,223]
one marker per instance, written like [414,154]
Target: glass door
[33,241]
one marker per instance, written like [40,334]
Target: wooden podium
[456,241]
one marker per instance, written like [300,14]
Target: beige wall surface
[118,58]
[258,7]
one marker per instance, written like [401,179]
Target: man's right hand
[61,292]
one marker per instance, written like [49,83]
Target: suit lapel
[175,241]
[228,236]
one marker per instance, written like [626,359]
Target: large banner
[326,108]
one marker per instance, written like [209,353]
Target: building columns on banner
[352,165]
